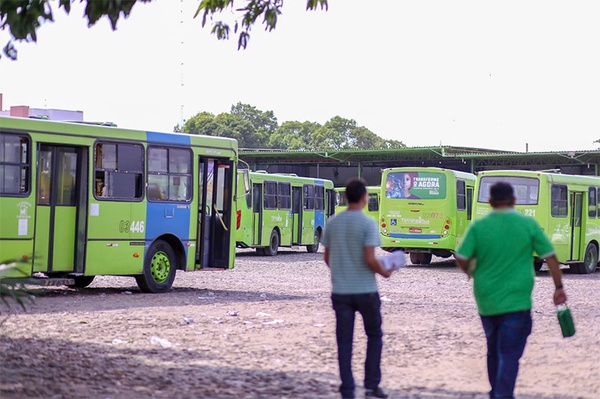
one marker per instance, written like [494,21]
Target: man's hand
[559,296]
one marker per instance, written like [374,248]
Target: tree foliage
[22,18]
[253,128]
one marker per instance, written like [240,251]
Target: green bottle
[565,319]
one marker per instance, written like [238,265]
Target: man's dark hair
[501,193]
[355,189]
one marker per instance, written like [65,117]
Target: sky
[504,75]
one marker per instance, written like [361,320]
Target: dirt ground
[265,329]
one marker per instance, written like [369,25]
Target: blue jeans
[369,307]
[506,336]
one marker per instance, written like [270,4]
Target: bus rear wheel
[590,261]
[420,258]
[273,247]
[159,268]
[314,247]
[82,281]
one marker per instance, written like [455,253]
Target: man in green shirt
[497,252]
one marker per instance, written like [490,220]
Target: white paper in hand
[394,261]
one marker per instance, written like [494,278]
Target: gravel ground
[265,329]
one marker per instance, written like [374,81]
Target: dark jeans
[369,307]
[506,336]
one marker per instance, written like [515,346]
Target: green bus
[424,211]
[566,206]
[281,210]
[79,200]
[372,208]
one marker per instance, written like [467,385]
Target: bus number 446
[135,226]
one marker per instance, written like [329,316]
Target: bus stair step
[45,282]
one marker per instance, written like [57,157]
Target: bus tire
[537,264]
[273,247]
[82,281]
[314,247]
[590,261]
[159,268]
[420,258]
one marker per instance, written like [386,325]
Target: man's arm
[326,256]
[463,264]
[559,293]
[373,263]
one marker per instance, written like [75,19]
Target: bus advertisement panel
[424,211]
[81,200]
[372,208]
[281,210]
[566,206]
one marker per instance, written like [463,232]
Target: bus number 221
[530,212]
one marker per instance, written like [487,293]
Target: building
[25,111]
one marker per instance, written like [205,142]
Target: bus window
[270,195]
[14,166]
[340,197]
[559,206]
[592,202]
[119,171]
[526,189]
[319,198]
[169,174]
[309,196]
[461,195]
[284,191]
[373,205]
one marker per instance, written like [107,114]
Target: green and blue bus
[281,210]
[424,211]
[78,200]
[566,206]
[372,208]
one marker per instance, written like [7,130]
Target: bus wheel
[159,268]
[82,281]
[590,261]
[271,250]
[315,245]
[418,258]
[537,264]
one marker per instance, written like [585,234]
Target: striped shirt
[346,235]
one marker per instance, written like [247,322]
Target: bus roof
[428,169]
[549,176]
[77,129]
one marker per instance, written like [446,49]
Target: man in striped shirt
[350,239]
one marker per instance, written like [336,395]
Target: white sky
[487,74]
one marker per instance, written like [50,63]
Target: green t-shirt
[503,244]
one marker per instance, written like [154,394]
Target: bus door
[576,207]
[215,184]
[296,215]
[257,213]
[61,208]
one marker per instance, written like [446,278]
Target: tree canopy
[253,128]
[22,18]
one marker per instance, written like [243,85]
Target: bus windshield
[526,188]
[417,185]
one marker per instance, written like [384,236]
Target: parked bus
[372,208]
[78,200]
[281,210]
[566,206]
[424,211]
